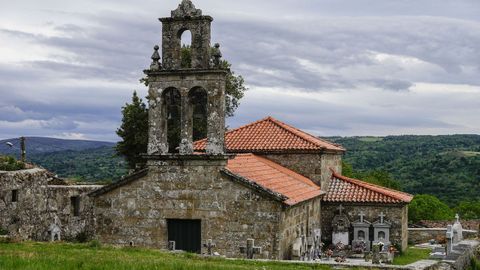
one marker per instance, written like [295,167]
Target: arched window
[361,235]
[185,37]
[198,101]
[381,235]
[172,103]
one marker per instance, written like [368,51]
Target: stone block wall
[59,205]
[230,213]
[40,205]
[396,214]
[315,166]
[304,217]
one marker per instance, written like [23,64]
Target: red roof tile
[273,177]
[344,189]
[271,135]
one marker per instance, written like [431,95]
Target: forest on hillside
[447,167]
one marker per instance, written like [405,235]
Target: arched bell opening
[198,102]
[172,104]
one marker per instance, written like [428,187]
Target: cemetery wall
[313,166]
[230,213]
[423,235]
[396,214]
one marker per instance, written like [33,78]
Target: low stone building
[33,204]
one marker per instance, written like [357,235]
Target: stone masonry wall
[40,205]
[313,166]
[396,214]
[189,189]
[304,217]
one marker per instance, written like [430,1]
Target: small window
[75,205]
[381,235]
[15,195]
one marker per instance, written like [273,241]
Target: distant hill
[445,166]
[40,145]
[83,160]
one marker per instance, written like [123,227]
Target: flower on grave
[329,253]
[392,249]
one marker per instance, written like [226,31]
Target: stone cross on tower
[340,209]
[362,216]
[250,250]
[382,216]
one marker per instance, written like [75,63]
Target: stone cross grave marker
[382,216]
[209,246]
[449,237]
[250,249]
[340,209]
[362,216]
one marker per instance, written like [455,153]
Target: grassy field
[40,256]
[412,255]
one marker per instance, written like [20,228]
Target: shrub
[3,231]
[10,164]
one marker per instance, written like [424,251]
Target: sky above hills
[330,67]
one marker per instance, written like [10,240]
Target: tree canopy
[133,131]
[428,207]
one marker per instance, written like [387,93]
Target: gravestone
[361,234]
[457,230]
[209,245]
[55,230]
[449,236]
[171,245]
[250,249]
[340,226]
[381,232]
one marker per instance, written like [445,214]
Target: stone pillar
[157,121]
[186,133]
[216,120]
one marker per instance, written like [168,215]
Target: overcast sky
[331,67]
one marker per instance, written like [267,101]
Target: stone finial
[156,65]
[186,9]
[457,217]
[217,55]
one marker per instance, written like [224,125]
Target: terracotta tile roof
[344,189]
[275,178]
[271,135]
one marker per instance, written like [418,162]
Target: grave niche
[340,226]
[381,232]
[361,234]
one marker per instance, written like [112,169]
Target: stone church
[267,181]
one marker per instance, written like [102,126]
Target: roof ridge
[376,188]
[238,128]
[302,134]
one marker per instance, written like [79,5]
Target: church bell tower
[186,84]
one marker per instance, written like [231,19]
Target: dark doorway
[187,234]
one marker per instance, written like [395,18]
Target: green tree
[134,132]
[469,210]
[428,207]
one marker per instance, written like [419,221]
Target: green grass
[40,256]
[411,255]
